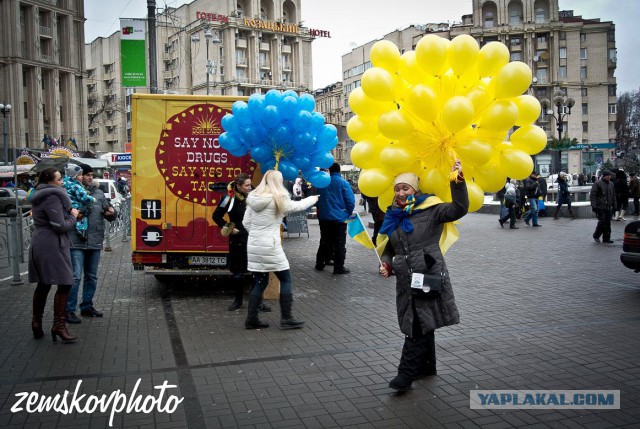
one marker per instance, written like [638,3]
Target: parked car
[110,190]
[8,200]
[630,256]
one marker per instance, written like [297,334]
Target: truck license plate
[207,260]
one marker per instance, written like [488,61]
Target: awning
[6,171]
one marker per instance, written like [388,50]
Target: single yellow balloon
[386,199]
[528,109]
[397,159]
[474,152]
[476,196]
[365,154]
[374,181]
[516,163]
[431,54]
[530,138]
[457,113]
[480,98]
[385,54]
[512,80]
[395,124]
[492,57]
[463,53]
[490,176]
[500,115]
[433,181]
[378,84]
[362,105]
[360,128]
[409,70]
[489,136]
[421,101]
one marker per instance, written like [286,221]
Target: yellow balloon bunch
[419,111]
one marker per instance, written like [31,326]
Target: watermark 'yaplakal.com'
[545,399]
[116,402]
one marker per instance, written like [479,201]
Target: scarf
[401,215]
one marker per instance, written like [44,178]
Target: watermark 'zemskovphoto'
[545,399]
[116,402]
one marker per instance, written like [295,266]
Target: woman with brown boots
[49,254]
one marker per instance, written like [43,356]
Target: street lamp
[563,105]
[209,36]
[5,109]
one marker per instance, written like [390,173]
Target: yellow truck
[179,175]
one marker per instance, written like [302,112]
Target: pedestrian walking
[415,224]
[622,194]
[49,255]
[335,205]
[85,253]
[532,192]
[510,203]
[564,196]
[266,206]
[603,199]
[634,192]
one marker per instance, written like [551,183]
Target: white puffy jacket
[264,248]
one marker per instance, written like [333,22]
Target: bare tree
[628,120]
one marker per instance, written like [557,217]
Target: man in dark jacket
[85,253]
[532,190]
[603,199]
[335,205]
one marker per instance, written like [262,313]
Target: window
[583,72]
[612,90]
[541,93]
[611,35]
[612,55]
[583,53]
[515,41]
[585,127]
[541,16]
[516,56]
[541,74]
[612,108]
[562,71]
[563,53]
[583,92]
[515,16]
[583,37]
[488,20]
[585,109]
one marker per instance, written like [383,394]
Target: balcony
[241,62]
[286,66]
[264,46]
[286,49]
[612,63]
[45,31]
[46,58]
[241,43]
[265,65]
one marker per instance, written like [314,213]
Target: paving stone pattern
[543,308]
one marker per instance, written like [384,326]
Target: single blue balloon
[326,145]
[324,160]
[268,165]
[303,121]
[273,97]
[226,140]
[270,117]
[317,122]
[319,179]
[229,123]
[256,105]
[303,162]
[239,151]
[240,110]
[307,102]
[282,135]
[261,154]
[289,107]
[290,92]
[303,143]
[288,169]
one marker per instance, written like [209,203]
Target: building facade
[41,72]
[330,103]
[236,48]
[566,54]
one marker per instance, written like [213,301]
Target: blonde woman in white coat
[266,206]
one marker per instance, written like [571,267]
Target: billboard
[133,58]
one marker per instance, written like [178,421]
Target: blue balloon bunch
[281,131]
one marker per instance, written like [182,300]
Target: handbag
[431,287]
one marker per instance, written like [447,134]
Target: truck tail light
[148,258]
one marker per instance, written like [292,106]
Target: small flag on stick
[357,231]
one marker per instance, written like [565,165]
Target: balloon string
[278,154]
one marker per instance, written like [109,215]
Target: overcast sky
[355,22]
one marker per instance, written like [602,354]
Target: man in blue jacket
[335,205]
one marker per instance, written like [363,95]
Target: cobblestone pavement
[543,308]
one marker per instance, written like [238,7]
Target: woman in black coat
[622,194]
[564,196]
[49,254]
[234,204]
[415,225]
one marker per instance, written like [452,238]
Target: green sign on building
[133,58]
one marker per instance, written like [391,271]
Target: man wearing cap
[603,199]
[335,205]
[85,253]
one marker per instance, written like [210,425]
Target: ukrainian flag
[357,231]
